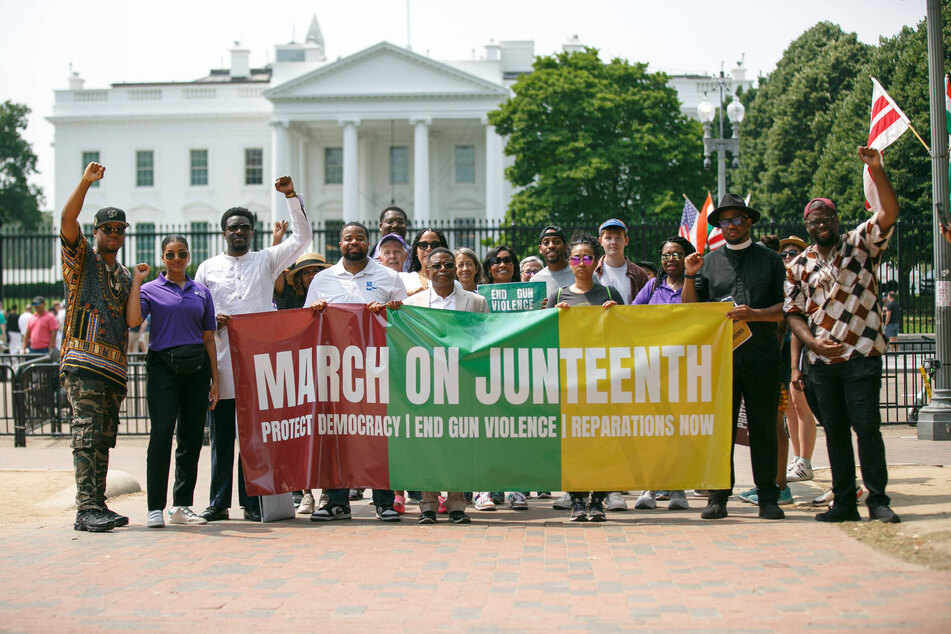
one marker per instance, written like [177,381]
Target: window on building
[399,165]
[199,242]
[198,161]
[144,168]
[90,157]
[145,243]
[253,166]
[465,164]
[465,233]
[333,166]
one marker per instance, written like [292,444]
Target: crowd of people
[814,314]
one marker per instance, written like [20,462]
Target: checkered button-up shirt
[838,296]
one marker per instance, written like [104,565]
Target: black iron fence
[30,262]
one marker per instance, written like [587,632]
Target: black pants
[757,382]
[174,398]
[381,497]
[848,394]
[223,434]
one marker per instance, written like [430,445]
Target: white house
[382,126]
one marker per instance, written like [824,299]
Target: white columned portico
[351,175]
[280,162]
[421,212]
[494,208]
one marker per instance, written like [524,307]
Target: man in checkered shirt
[832,304]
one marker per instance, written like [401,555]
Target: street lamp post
[735,112]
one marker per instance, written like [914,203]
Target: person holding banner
[182,380]
[444,295]
[832,305]
[468,269]
[751,276]
[241,281]
[666,289]
[585,292]
[356,279]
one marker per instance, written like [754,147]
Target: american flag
[689,223]
[888,123]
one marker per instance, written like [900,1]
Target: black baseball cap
[110,214]
[552,230]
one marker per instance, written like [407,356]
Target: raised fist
[94,172]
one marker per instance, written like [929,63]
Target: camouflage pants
[95,423]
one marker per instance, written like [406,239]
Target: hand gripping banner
[633,397]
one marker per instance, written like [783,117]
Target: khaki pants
[455,501]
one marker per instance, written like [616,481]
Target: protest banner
[633,397]
[513,297]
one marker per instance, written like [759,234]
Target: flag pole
[919,137]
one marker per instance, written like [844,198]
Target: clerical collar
[740,246]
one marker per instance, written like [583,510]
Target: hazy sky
[110,41]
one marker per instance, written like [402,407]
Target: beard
[357,256]
[831,240]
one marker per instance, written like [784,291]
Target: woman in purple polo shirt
[182,379]
[665,289]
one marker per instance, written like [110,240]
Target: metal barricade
[40,404]
[903,386]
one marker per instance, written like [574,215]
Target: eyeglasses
[426,246]
[676,257]
[503,260]
[119,230]
[438,266]
[575,260]
[824,221]
[182,255]
[736,221]
[242,227]
[790,253]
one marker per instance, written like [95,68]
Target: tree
[19,200]
[788,120]
[593,141]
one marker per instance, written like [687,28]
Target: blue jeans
[848,395]
[223,435]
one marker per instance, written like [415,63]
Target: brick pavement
[654,570]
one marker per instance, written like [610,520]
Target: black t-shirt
[895,310]
[595,297]
[752,276]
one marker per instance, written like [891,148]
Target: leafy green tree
[19,200]
[594,140]
[788,118]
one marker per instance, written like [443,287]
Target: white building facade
[382,126]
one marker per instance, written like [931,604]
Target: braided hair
[688,248]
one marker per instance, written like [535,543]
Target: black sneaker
[93,520]
[771,512]
[883,514]
[387,514]
[713,511]
[459,517]
[839,514]
[356,494]
[578,513]
[596,511]
[118,520]
[214,514]
[426,517]
[497,497]
[331,512]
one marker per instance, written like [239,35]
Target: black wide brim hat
[732,201]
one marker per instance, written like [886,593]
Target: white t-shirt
[616,276]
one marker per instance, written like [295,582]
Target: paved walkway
[655,570]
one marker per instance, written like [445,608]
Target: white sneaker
[156,520]
[678,501]
[648,500]
[306,504]
[517,501]
[615,502]
[484,503]
[798,472]
[184,515]
[563,503]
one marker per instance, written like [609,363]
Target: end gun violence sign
[633,397]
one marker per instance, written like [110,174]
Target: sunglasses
[575,260]
[426,246]
[182,255]
[825,221]
[438,266]
[676,257]
[790,253]
[736,221]
[109,230]
[503,260]
[242,227]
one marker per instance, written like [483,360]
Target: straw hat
[305,261]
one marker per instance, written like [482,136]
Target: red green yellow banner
[633,397]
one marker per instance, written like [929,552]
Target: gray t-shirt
[554,279]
